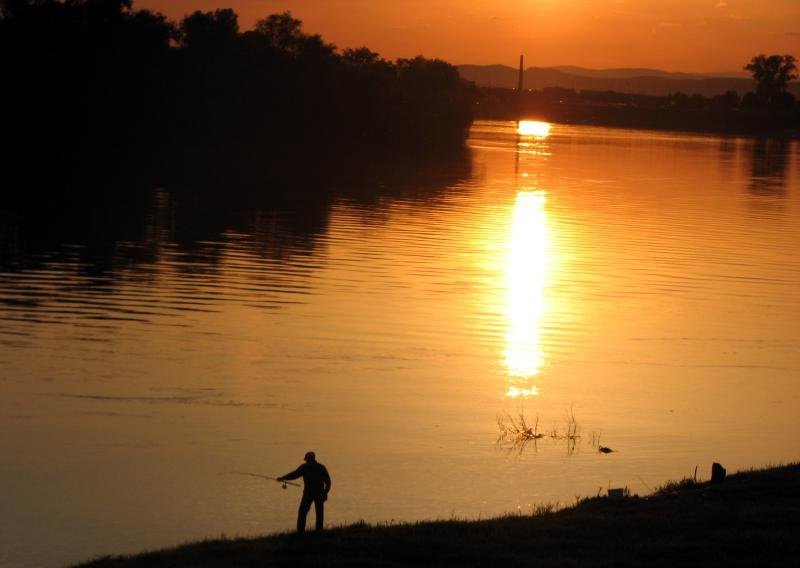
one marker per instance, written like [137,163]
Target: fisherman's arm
[293,475]
[327,479]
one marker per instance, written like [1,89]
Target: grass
[752,519]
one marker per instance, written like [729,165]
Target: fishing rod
[282,482]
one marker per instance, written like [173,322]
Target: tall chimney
[519,81]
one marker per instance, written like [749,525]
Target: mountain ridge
[629,72]
[625,80]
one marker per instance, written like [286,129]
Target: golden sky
[674,35]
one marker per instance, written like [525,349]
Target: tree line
[89,80]
[769,109]
[771,77]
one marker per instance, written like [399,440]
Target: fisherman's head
[310,457]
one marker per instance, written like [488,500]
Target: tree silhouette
[772,75]
[206,31]
[361,57]
[88,82]
[284,33]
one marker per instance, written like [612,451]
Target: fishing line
[643,483]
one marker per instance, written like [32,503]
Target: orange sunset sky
[674,35]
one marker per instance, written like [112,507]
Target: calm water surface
[646,283]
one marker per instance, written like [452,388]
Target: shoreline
[753,518]
[685,125]
[636,112]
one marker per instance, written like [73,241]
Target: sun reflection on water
[533,128]
[526,271]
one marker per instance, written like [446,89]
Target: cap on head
[310,457]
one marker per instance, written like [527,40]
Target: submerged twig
[516,431]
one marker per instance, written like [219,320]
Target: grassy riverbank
[753,518]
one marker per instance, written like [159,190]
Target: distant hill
[639,81]
[628,73]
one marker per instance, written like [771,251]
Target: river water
[641,287]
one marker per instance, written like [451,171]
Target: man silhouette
[316,485]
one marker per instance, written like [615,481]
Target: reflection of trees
[728,155]
[727,148]
[769,161]
[198,214]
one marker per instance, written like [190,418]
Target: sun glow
[533,128]
[526,270]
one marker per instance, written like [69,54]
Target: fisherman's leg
[302,512]
[319,509]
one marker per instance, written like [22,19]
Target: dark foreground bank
[753,518]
